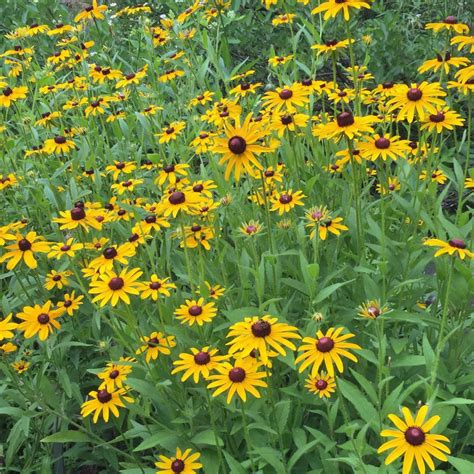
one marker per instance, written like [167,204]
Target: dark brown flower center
[43,318]
[196,228]
[415,436]
[177,198]
[57,277]
[77,213]
[450,20]
[168,169]
[382,143]
[286,94]
[24,245]
[150,219]
[7,91]
[116,283]
[321,384]
[60,140]
[457,243]
[325,344]
[261,328]
[202,358]
[414,94]
[237,374]
[237,145]
[103,396]
[345,119]
[437,118]
[286,119]
[130,76]
[373,311]
[114,374]
[155,285]
[195,310]
[197,188]
[285,199]
[177,465]
[109,253]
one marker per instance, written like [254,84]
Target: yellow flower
[347,125]
[372,309]
[286,98]
[58,144]
[171,132]
[412,440]
[383,146]
[418,99]
[196,311]
[441,120]
[105,402]
[7,327]
[184,462]
[436,176]
[321,384]
[171,173]
[56,279]
[450,23]
[114,376]
[25,249]
[238,378]
[327,349]
[199,363]
[91,12]
[334,7]
[445,62]
[8,347]
[261,334]
[68,248]
[21,366]
[286,200]
[456,247]
[78,216]
[114,287]
[155,344]
[71,303]
[10,95]
[156,287]
[39,320]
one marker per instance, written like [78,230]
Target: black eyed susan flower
[68,248]
[201,99]
[450,23]
[7,327]
[321,221]
[417,99]
[57,280]
[195,236]
[443,119]
[132,78]
[332,8]
[469,183]
[156,287]
[276,61]
[285,200]
[110,255]
[464,42]
[183,462]
[196,311]
[346,124]
[21,366]
[179,201]
[286,98]
[103,402]
[393,184]
[114,287]
[59,144]
[10,95]
[412,440]
[238,378]
[199,363]
[171,132]
[283,122]
[250,228]
[384,147]
[436,176]
[456,247]
[331,46]
[327,349]
[39,319]
[8,347]
[114,376]
[24,249]
[261,334]
[244,89]
[78,216]
[372,309]
[171,173]
[95,11]
[155,344]
[321,384]
[445,62]
[214,291]
[70,303]
[240,146]
[171,74]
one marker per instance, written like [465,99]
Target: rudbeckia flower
[10,95]
[327,349]
[332,8]
[39,319]
[7,327]
[155,344]
[183,462]
[456,247]
[94,11]
[103,402]
[25,248]
[196,311]
[238,378]
[321,384]
[198,364]
[412,440]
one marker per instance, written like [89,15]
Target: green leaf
[67,436]
[462,465]
[329,290]
[365,409]
[156,439]
[300,452]
[207,437]
[457,401]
